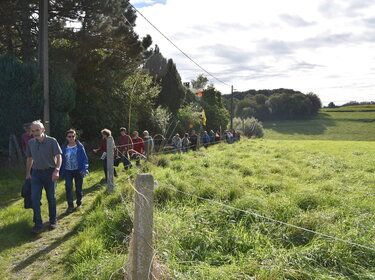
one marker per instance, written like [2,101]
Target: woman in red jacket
[138,146]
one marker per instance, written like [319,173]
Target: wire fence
[247,212]
[269,219]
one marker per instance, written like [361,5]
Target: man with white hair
[44,157]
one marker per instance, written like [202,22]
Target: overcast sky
[323,46]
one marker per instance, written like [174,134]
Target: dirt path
[45,256]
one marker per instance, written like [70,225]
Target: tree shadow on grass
[315,126]
[31,259]
[41,253]
[16,234]
[10,186]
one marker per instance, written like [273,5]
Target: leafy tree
[260,99]
[331,105]
[200,82]
[316,102]
[217,115]
[289,106]
[98,54]
[141,93]
[160,119]
[245,109]
[188,118]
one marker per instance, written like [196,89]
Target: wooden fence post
[110,170]
[143,251]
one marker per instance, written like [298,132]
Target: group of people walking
[47,161]
[126,148]
[193,141]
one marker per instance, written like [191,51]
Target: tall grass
[320,185]
[326,186]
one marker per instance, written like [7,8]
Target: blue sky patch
[146,3]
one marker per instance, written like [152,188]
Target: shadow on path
[31,259]
[18,233]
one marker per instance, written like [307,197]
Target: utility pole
[231,108]
[43,60]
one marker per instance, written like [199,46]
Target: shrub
[250,127]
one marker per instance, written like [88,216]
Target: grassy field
[321,185]
[355,123]
[354,108]
[325,186]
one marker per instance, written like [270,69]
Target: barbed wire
[270,219]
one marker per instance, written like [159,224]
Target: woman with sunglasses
[74,166]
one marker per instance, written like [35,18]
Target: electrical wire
[184,53]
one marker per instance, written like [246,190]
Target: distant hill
[240,95]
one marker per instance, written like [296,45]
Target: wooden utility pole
[43,60]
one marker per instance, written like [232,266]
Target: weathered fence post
[143,251]
[110,170]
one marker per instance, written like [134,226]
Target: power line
[272,220]
[185,54]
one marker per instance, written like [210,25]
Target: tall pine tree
[165,74]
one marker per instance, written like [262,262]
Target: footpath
[24,255]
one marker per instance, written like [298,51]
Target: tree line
[102,74]
[277,104]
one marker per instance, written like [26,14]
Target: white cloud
[322,46]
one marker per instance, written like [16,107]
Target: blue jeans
[40,180]
[78,180]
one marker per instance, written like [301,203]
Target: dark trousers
[126,162]
[40,180]
[105,169]
[78,180]
[194,146]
